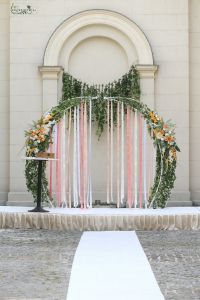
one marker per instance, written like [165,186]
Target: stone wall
[4,100]
[195,100]
[166,26]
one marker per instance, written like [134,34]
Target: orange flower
[169,139]
[41,138]
[153,117]
[159,133]
[173,153]
[30,151]
[42,130]
[47,119]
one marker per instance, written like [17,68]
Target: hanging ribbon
[129,158]
[75,194]
[58,194]
[69,160]
[51,169]
[111,151]
[133,156]
[108,151]
[122,152]
[78,153]
[145,162]
[90,156]
[63,161]
[140,180]
[85,156]
[136,158]
[150,164]
[118,154]
[82,156]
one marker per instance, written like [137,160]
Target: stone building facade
[38,39]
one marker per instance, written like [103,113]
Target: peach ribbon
[108,151]
[51,170]
[68,158]
[118,155]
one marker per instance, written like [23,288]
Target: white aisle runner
[111,265]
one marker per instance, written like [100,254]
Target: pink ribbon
[150,166]
[118,157]
[68,157]
[50,169]
[108,151]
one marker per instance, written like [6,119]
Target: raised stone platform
[170,218]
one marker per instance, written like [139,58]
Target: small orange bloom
[153,117]
[169,139]
[173,153]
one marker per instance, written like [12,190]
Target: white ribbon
[136,157]
[122,152]
[75,195]
[145,162]
[63,161]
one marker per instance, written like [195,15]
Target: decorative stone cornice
[103,18]
[50,72]
[147,71]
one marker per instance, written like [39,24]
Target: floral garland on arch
[162,133]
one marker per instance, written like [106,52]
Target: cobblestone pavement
[36,264]
[175,260]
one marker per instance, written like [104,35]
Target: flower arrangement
[163,134]
[38,136]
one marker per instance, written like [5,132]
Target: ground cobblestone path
[36,264]
[175,260]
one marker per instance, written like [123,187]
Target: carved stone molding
[147,71]
[50,72]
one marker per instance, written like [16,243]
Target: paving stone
[36,264]
[175,259]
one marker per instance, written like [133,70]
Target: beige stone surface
[194,98]
[172,28]
[4,100]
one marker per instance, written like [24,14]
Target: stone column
[147,77]
[50,76]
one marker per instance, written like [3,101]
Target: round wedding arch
[125,91]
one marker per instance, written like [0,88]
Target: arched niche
[89,29]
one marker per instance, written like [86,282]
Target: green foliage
[32,177]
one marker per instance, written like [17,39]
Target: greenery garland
[126,90]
